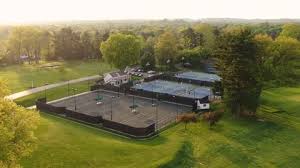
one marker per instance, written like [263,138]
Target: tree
[239,68]
[32,38]
[148,58]
[3,51]
[286,53]
[121,50]
[87,46]
[3,89]
[264,44]
[15,41]
[191,39]
[277,58]
[212,117]
[194,55]
[272,30]
[187,118]
[166,48]
[67,44]
[291,30]
[17,125]
[208,32]
[47,42]
[97,39]
[29,41]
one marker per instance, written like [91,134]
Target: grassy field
[273,142]
[55,93]
[20,78]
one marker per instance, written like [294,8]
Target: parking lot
[126,109]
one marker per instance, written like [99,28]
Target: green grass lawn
[20,78]
[55,93]
[273,142]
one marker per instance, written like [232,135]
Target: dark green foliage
[166,49]
[148,61]
[87,46]
[148,57]
[67,44]
[121,50]
[194,55]
[272,30]
[218,89]
[192,39]
[278,59]
[291,30]
[239,69]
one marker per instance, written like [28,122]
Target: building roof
[117,74]
[199,76]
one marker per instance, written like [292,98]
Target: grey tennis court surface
[120,108]
[200,76]
[175,88]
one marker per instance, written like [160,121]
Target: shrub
[213,117]
[187,118]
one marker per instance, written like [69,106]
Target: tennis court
[175,89]
[198,76]
[126,109]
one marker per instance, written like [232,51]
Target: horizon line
[9,23]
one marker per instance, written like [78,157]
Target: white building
[132,69]
[116,78]
[203,105]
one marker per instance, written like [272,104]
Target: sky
[22,11]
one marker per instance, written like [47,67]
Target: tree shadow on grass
[237,156]
[250,132]
[250,135]
[183,158]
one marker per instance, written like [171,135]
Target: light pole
[111,104]
[133,102]
[152,94]
[147,65]
[45,90]
[75,101]
[177,106]
[156,114]
[98,93]
[68,87]
[168,61]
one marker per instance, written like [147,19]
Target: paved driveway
[39,89]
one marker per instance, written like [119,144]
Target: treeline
[152,45]
[82,41]
[31,44]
